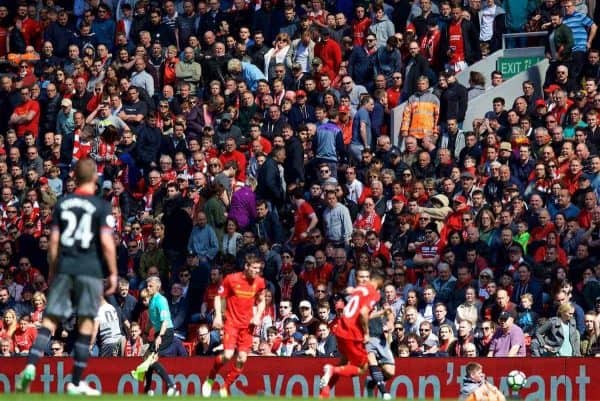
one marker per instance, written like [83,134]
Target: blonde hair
[39,296]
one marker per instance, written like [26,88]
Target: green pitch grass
[114,397]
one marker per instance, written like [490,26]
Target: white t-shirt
[487,23]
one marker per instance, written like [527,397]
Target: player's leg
[229,346]
[81,354]
[59,308]
[244,343]
[381,364]
[156,366]
[87,294]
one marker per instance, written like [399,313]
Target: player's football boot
[224,392]
[324,393]
[82,389]
[25,379]
[140,371]
[172,391]
[150,393]
[387,396]
[207,388]
[327,373]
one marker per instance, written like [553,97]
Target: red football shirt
[240,296]
[348,325]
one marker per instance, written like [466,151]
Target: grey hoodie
[383,29]
[468,387]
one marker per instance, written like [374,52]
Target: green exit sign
[511,66]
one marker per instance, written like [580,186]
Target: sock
[216,367]
[40,344]
[334,379]
[378,378]
[159,368]
[232,375]
[370,383]
[346,370]
[81,354]
[148,380]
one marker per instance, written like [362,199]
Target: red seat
[188,347]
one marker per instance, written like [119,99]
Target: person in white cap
[65,123]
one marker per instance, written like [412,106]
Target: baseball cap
[505,315]
[66,103]
[506,146]
[399,198]
[552,88]
[182,176]
[226,116]
[107,185]
[310,259]
[300,93]
[540,103]
[43,181]
[467,175]
[460,199]
[305,304]
[432,226]
[343,109]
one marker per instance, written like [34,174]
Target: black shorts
[74,294]
[165,344]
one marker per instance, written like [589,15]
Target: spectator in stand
[558,336]
[508,340]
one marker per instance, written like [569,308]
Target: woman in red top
[9,326]
[368,219]
[39,306]
[447,338]
[24,335]
[317,15]
[168,67]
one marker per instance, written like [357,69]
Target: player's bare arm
[218,320]
[260,308]
[363,320]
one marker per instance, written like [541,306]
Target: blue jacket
[298,116]
[105,31]
[203,242]
[252,74]
[360,66]
[328,142]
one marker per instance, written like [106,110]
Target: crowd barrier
[549,379]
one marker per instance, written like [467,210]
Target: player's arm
[53,246]
[160,334]
[363,321]
[94,332]
[260,308]
[110,255]
[218,320]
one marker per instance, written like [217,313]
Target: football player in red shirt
[244,292]
[352,331]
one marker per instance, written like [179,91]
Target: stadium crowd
[223,129]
